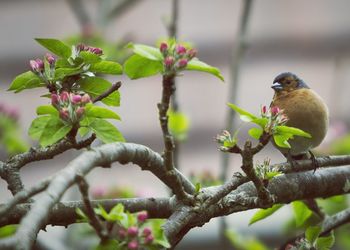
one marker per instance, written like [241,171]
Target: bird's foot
[314,161]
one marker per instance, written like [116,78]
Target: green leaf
[95,86]
[83,131]
[301,213]
[271,174]
[262,122]
[81,214]
[325,243]
[89,57]
[55,46]
[198,187]
[255,133]
[197,65]
[61,73]
[100,112]
[312,233]
[145,51]
[54,130]
[244,115]
[8,230]
[264,213]
[178,124]
[107,67]
[46,110]
[105,131]
[282,140]
[37,126]
[137,67]
[292,131]
[102,212]
[163,241]
[26,80]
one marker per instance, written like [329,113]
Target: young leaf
[26,80]
[89,57]
[37,126]
[244,115]
[178,124]
[105,131]
[54,130]
[255,133]
[137,67]
[264,213]
[325,243]
[197,65]
[61,73]
[312,233]
[145,51]
[107,67]
[282,140]
[100,112]
[55,46]
[292,131]
[95,86]
[83,131]
[198,187]
[46,110]
[301,212]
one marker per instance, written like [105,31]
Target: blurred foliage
[179,124]
[205,179]
[340,146]
[113,192]
[241,242]
[7,231]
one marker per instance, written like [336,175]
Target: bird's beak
[277,86]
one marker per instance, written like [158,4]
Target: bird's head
[287,82]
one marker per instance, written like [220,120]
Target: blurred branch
[121,7]
[80,12]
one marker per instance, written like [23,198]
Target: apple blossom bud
[168,61]
[191,53]
[163,48]
[85,99]
[149,239]
[79,112]
[75,98]
[133,245]
[64,114]
[122,233]
[40,64]
[275,110]
[54,99]
[142,216]
[81,47]
[180,50]
[146,231]
[96,51]
[50,58]
[182,63]
[64,96]
[36,65]
[133,231]
[264,110]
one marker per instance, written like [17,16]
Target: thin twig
[93,219]
[113,88]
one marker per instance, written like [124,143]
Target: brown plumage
[305,110]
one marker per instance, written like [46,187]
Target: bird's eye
[288,82]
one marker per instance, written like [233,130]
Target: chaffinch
[305,110]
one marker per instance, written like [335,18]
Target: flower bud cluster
[71,107]
[275,116]
[83,47]
[176,57]
[225,141]
[137,236]
[9,112]
[38,65]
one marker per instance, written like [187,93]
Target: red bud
[182,63]
[180,50]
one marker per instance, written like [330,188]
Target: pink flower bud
[146,231]
[54,99]
[64,96]
[191,53]
[85,99]
[40,64]
[79,112]
[133,231]
[163,48]
[142,216]
[81,47]
[169,61]
[50,58]
[96,51]
[182,63]
[75,98]
[64,114]
[133,245]
[36,65]
[275,110]
[264,110]
[149,239]
[180,50]
[122,233]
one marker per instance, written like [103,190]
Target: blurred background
[309,38]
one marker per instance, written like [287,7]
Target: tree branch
[113,88]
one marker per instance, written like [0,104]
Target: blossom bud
[64,96]
[122,233]
[182,63]
[149,239]
[64,114]
[85,99]
[191,53]
[133,245]
[75,98]
[163,48]
[133,231]
[142,216]
[79,112]
[40,64]
[146,231]
[169,61]
[81,47]
[264,110]
[180,50]
[275,110]
[96,51]
[36,65]
[50,58]
[54,99]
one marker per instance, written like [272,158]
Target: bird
[305,110]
